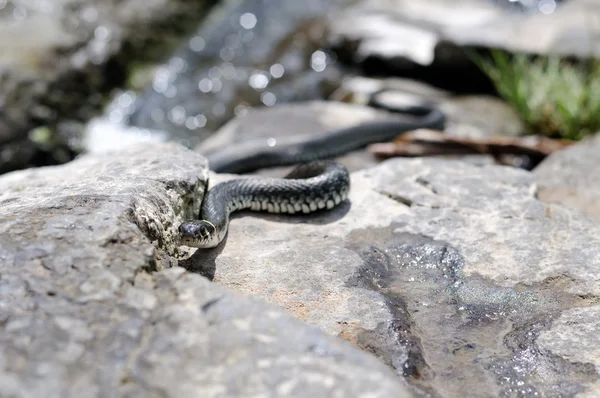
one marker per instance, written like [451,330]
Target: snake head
[198,233]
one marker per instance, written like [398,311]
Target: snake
[317,183]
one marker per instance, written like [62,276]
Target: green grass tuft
[554,97]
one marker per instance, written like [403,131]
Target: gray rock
[570,177]
[574,335]
[449,272]
[433,30]
[60,59]
[82,313]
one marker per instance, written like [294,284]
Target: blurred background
[517,78]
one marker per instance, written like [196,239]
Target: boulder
[90,305]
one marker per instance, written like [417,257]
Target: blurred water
[250,53]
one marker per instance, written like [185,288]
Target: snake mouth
[189,242]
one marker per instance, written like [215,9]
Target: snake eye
[207,228]
[204,232]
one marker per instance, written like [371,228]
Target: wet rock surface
[570,177]
[453,274]
[83,312]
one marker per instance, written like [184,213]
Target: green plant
[554,97]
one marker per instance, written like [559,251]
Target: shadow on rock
[203,260]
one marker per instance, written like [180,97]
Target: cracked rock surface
[82,313]
[455,275]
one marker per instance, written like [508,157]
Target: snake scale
[315,184]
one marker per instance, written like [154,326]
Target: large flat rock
[454,274]
[84,311]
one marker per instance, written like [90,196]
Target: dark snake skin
[308,188]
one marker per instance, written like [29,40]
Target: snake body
[253,155]
[308,188]
[313,186]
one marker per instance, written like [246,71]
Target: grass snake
[314,185]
